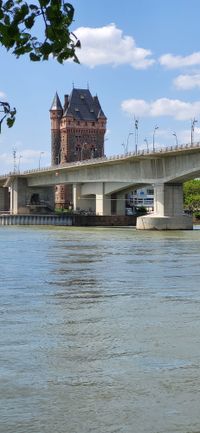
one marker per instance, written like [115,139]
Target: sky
[142,59]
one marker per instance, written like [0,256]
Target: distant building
[142,197]
[77,133]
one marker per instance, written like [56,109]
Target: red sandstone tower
[77,132]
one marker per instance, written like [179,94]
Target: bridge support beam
[168,210]
[21,195]
[120,203]
[103,202]
[79,201]
[4,199]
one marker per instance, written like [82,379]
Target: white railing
[104,159]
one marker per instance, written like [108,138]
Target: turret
[56,112]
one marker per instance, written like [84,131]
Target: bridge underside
[102,198]
[97,185]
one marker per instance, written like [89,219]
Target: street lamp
[41,153]
[174,134]
[57,159]
[93,150]
[154,132]
[124,146]
[20,156]
[136,134]
[147,144]
[82,148]
[192,129]
[127,141]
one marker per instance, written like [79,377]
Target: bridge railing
[104,158]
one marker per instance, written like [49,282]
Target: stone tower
[77,132]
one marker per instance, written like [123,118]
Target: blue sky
[142,59]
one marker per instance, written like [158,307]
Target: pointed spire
[56,104]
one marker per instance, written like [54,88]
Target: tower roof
[83,106]
[56,104]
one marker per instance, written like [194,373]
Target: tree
[18,21]
[191,193]
[7,113]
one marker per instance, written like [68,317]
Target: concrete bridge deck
[95,180]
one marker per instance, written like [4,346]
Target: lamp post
[93,150]
[124,146]
[20,156]
[192,129]
[127,142]
[41,153]
[82,148]
[57,159]
[147,144]
[136,133]
[14,160]
[174,134]
[154,133]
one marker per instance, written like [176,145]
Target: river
[100,330]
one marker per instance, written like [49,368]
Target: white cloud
[2,95]
[187,82]
[173,62]
[175,108]
[25,159]
[108,46]
[184,136]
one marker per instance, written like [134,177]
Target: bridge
[96,181]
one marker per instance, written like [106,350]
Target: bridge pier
[120,203]
[103,201]
[79,201]
[92,196]
[21,197]
[4,199]
[168,210]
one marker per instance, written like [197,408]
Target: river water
[100,331]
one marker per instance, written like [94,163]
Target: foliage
[18,22]
[7,113]
[141,210]
[191,194]
[197,215]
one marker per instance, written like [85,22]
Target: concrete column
[4,199]
[103,202]
[168,210]
[82,202]
[76,192]
[121,203]
[21,195]
[18,195]
[168,199]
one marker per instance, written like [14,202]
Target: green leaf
[7,19]
[44,3]
[10,121]
[69,9]
[33,7]
[29,22]
[9,4]
[34,57]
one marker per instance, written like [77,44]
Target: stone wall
[95,220]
